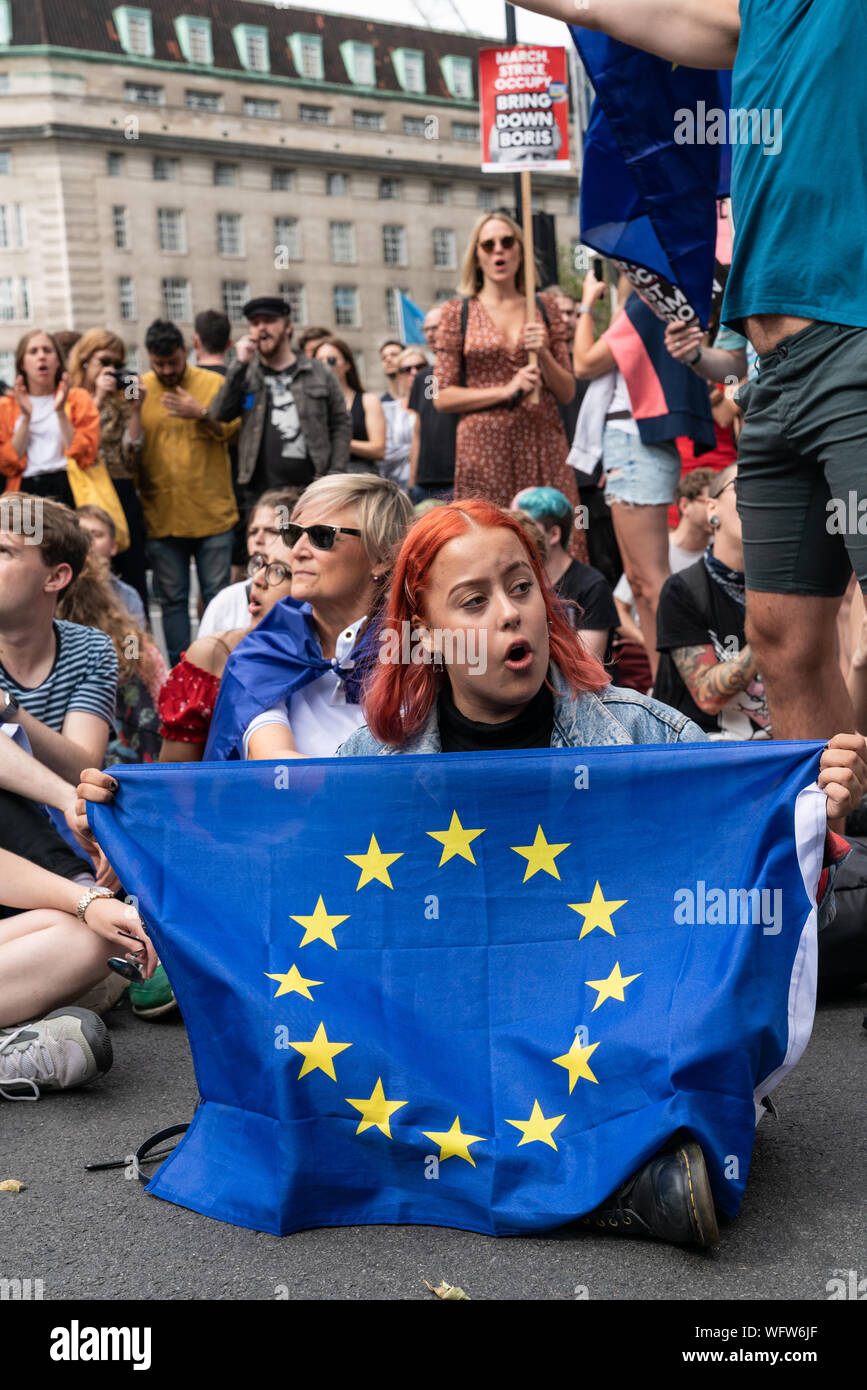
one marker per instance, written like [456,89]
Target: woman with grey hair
[291,688]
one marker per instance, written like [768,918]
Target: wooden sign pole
[529,264]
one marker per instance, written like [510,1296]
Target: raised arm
[696,33]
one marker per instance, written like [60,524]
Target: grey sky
[479,16]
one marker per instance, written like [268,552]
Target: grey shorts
[802,464]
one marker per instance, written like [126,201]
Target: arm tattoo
[710,682]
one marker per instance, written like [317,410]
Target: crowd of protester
[539,490]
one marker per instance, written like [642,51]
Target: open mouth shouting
[519,656]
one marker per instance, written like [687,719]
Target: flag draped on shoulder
[473,991]
[653,170]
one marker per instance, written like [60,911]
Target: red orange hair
[398,697]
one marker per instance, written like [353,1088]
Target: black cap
[267,304]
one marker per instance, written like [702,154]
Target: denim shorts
[802,464]
[644,474]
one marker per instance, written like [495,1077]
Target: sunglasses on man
[506,242]
[321,537]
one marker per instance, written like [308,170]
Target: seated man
[706,668]
[595,616]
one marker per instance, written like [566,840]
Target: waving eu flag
[473,991]
[644,197]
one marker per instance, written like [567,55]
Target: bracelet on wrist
[87,898]
[694,361]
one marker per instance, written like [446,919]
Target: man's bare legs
[793,638]
[642,535]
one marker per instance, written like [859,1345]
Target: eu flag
[473,991]
[644,197]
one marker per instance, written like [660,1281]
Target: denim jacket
[589,721]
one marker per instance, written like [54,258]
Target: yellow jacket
[183,473]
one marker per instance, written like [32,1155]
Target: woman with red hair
[476,654]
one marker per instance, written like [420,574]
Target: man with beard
[294,424]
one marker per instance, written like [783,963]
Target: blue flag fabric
[645,198]
[411,321]
[473,991]
[280,656]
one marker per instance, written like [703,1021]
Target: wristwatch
[694,361]
[85,901]
[585,308]
[10,707]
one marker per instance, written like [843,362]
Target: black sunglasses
[413,367]
[507,242]
[320,537]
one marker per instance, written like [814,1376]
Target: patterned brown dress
[501,451]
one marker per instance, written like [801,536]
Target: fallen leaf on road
[11,1185]
[447,1290]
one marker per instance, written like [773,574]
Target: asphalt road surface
[97,1236]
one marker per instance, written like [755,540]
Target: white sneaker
[69,1047]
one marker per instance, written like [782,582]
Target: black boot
[669,1198]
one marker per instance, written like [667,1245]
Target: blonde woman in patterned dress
[504,442]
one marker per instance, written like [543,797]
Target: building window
[230,234]
[235,296]
[251,45]
[114,165]
[414,125]
[346,306]
[281,179]
[144,93]
[336,185]
[342,243]
[442,296]
[368,120]
[287,238]
[440,192]
[358,59]
[132,358]
[134,30]
[458,73]
[5,38]
[294,296]
[315,115]
[574,204]
[389,189]
[409,67]
[4,84]
[5,166]
[12,227]
[126,298]
[194,37]
[203,101]
[7,365]
[120,221]
[177,301]
[225,175]
[486,199]
[171,231]
[468,131]
[259,106]
[165,168]
[394,245]
[392,308]
[307,55]
[443,248]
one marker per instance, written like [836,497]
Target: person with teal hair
[589,600]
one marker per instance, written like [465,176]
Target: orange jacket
[82,411]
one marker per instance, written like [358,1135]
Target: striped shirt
[83,677]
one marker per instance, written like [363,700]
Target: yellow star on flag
[319,926]
[613,987]
[376,1110]
[293,983]
[318,1053]
[598,912]
[576,1062]
[373,864]
[537,1130]
[540,855]
[454,1144]
[455,840]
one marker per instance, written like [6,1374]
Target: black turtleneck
[532,728]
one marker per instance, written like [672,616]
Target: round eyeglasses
[273,573]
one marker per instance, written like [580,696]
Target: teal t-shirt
[800,215]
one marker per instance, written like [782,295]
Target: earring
[714,521]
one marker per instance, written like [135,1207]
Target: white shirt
[45,451]
[399,427]
[318,716]
[678,559]
[620,401]
[227,610]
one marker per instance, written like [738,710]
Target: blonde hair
[94,340]
[471,272]
[384,512]
[412,352]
